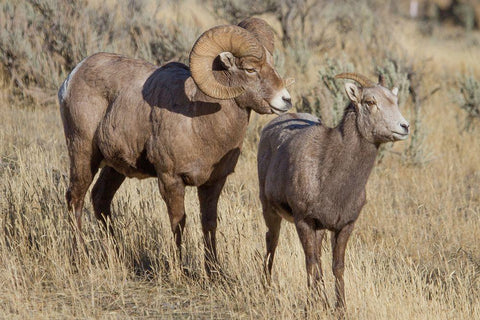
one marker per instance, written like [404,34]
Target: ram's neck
[223,119]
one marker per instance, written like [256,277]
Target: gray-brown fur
[315,176]
[139,120]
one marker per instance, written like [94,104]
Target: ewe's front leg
[172,190]
[208,196]
[310,241]
[319,235]
[339,244]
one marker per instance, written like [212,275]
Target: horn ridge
[262,30]
[240,42]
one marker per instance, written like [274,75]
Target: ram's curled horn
[209,45]
[262,30]
[381,80]
[362,80]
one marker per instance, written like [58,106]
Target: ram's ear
[228,60]
[395,91]
[354,93]
[190,88]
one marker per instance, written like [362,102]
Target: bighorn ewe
[315,176]
[183,126]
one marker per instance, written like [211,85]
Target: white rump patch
[62,93]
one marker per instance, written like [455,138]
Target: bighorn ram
[183,126]
[315,176]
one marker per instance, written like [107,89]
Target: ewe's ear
[289,82]
[228,60]
[353,92]
[395,91]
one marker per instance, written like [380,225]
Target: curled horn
[362,80]
[209,45]
[262,30]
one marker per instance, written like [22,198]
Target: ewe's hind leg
[273,222]
[208,196]
[102,194]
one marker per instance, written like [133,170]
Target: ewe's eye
[251,70]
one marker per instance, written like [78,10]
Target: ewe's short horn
[262,30]
[362,80]
[381,80]
[209,45]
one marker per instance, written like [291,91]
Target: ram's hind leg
[83,167]
[172,190]
[102,194]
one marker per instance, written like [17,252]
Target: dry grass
[414,254]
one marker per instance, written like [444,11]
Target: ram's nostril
[287,100]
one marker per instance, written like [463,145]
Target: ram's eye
[370,103]
[250,70]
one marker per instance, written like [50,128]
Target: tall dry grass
[414,254]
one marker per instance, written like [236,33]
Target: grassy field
[414,254]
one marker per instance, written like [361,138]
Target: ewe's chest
[334,209]
[336,193]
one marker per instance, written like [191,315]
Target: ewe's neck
[355,145]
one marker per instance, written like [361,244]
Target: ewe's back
[283,128]
[276,139]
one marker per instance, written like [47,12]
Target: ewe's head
[379,118]
[236,62]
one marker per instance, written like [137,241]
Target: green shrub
[327,100]
[395,74]
[467,96]
[42,41]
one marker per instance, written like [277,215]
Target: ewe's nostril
[405,126]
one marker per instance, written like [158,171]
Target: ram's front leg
[172,190]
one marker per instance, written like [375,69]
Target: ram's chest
[197,156]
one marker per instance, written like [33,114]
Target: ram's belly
[139,168]
[285,215]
